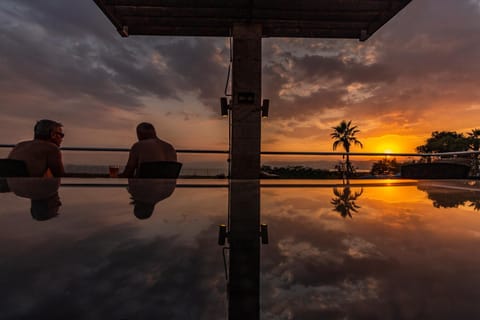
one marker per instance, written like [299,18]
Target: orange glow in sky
[392,144]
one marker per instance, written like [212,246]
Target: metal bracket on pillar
[246,98]
[222,234]
[265,107]
[224,106]
[264,233]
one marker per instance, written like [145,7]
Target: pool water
[142,250]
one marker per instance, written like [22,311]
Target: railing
[285,153]
[125,149]
[101,169]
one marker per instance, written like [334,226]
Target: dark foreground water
[113,249]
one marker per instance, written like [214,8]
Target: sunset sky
[65,61]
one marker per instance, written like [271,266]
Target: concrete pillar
[246,89]
[244,204]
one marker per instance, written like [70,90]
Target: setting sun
[391,144]
[381,147]
[387,147]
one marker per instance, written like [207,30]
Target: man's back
[148,150]
[153,150]
[39,156]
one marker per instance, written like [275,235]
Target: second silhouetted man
[149,148]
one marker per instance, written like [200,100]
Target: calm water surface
[93,249]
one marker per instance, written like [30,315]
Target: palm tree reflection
[344,201]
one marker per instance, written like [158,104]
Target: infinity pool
[97,249]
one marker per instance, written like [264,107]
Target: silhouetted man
[43,194]
[146,193]
[149,148]
[42,155]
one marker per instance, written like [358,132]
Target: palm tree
[344,134]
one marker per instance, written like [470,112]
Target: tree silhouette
[474,139]
[474,144]
[444,141]
[385,167]
[344,135]
[344,201]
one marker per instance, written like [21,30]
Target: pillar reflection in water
[244,241]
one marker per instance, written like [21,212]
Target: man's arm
[55,163]
[131,165]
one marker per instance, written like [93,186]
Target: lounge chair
[159,169]
[13,168]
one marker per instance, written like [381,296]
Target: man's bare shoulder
[135,145]
[165,143]
[25,143]
[37,145]
[149,143]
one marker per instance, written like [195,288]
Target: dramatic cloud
[66,61]
[61,56]
[404,80]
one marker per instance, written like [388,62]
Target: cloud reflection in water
[397,259]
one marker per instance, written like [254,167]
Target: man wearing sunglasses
[42,155]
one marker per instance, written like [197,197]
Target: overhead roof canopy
[279,18]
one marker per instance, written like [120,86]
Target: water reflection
[344,201]
[42,192]
[475,204]
[399,258]
[99,262]
[452,194]
[146,193]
